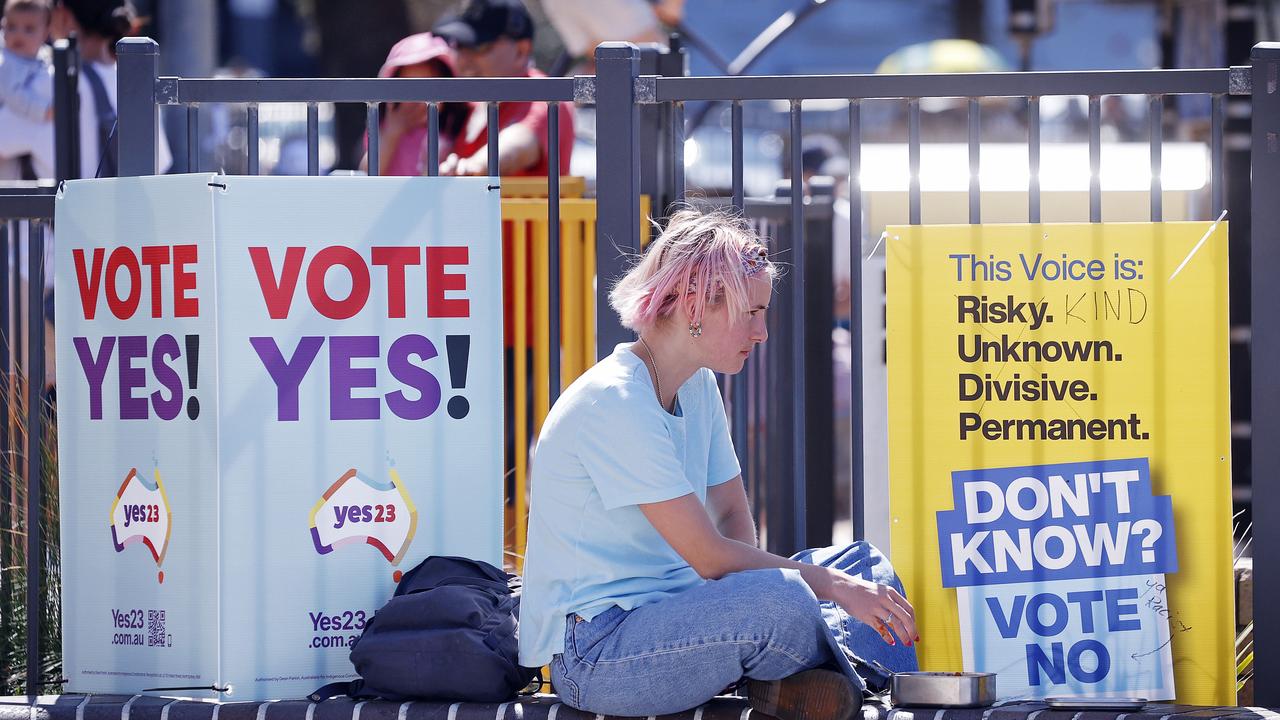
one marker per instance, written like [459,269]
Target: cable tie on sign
[872,254]
[1196,249]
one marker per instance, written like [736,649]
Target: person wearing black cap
[494,38]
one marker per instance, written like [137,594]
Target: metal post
[433,139]
[66,109]
[975,164]
[1033,160]
[372,132]
[735,122]
[677,151]
[313,139]
[799,476]
[553,251]
[1155,121]
[618,178]
[193,137]
[492,145]
[138,68]
[251,121]
[913,160]
[1095,159]
[857,457]
[7,474]
[35,445]
[1265,265]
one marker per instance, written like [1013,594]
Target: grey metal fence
[25,214]
[619,92]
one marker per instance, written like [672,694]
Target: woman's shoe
[809,695]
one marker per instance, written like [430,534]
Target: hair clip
[755,259]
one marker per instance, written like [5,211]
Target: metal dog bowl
[943,689]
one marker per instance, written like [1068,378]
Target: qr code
[156,635]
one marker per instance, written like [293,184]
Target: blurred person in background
[494,38]
[24,73]
[584,24]
[98,26]
[402,128]
[26,91]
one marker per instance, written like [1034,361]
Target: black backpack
[450,632]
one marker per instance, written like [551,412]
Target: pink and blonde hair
[710,254]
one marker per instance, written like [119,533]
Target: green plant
[14,529]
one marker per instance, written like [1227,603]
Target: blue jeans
[676,654]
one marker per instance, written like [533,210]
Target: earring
[695,329]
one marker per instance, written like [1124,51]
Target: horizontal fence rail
[181,91]
[659,89]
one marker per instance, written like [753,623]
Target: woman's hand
[402,117]
[879,606]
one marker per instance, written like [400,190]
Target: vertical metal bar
[1264,267]
[1033,160]
[1095,159]
[138,66]
[8,472]
[553,247]
[35,445]
[372,130]
[15,293]
[857,465]
[738,387]
[677,150]
[1217,171]
[735,134]
[975,145]
[313,139]
[617,178]
[798,476]
[66,109]
[193,137]
[738,418]
[6,381]
[251,119]
[913,160]
[433,139]
[1155,112]
[494,169]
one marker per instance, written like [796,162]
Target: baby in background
[26,86]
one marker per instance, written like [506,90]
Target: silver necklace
[653,365]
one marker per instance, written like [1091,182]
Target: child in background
[26,87]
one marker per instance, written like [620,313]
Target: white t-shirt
[606,447]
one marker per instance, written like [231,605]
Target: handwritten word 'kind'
[278,289]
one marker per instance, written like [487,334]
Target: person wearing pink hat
[402,130]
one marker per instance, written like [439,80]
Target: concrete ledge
[537,707]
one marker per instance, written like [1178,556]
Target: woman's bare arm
[685,524]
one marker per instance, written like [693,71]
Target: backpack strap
[106,116]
